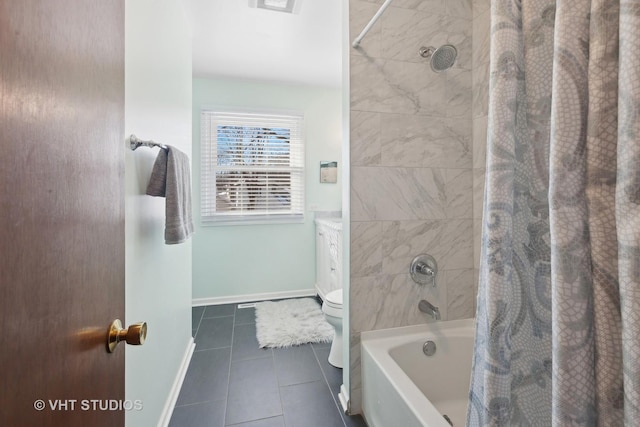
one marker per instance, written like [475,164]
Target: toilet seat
[332,305]
[334,299]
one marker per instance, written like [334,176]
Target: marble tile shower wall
[480,62]
[412,166]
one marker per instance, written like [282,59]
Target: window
[252,168]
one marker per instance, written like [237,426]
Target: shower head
[442,58]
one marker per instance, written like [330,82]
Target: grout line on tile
[250,358]
[226,396]
[302,383]
[199,323]
[196,403]
[259,419]
[326,382]
[219,317]
[214,348]
[275,371]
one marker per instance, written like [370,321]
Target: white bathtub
[401,386]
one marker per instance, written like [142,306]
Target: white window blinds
[252,167]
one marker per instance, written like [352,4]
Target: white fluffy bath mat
[291,322]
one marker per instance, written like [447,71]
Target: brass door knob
[134,335]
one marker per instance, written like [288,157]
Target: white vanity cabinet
[328,255]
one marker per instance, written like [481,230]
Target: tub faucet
[426,307]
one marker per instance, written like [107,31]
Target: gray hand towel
[171,179]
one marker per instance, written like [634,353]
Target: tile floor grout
[326,382]
[273,363]
[226,397]
[215,408]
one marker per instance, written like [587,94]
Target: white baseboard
[343,396]
[253,297]
[177,385]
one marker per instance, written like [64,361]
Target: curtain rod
[364,32]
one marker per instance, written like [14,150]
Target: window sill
[262,220]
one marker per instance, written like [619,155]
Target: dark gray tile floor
[232,382]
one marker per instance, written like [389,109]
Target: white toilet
[332,309]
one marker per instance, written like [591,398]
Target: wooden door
[62,211]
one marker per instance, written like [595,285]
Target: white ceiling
[231,39]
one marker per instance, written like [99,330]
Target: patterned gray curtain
[558,321]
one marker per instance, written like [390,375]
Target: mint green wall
[231,261]
[157,276]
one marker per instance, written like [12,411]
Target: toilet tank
[328,255]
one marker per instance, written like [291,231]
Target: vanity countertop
[331,222]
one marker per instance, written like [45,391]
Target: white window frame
[211,119]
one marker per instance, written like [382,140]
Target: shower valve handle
[424,269]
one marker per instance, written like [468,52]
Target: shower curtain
[558,320]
